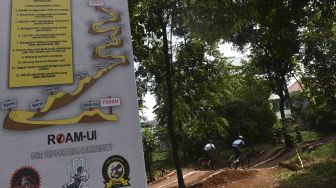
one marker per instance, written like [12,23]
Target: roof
[295,87]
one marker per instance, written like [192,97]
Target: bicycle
[203,163]
[244,162]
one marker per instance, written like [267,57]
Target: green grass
[265,147]
[161,156]
[321,171]
[161,163]
[321,175]
[320,154]
[309,135]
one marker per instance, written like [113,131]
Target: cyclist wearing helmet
[78,179]
[209,150]
[236,147]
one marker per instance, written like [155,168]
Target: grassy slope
[320,172]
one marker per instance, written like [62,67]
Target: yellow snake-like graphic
[114,41]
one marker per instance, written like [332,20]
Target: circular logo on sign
[25,177]
[116,172]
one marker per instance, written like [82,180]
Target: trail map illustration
[21,120]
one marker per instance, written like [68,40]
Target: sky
[226,49]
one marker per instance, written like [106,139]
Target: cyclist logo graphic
[77,169]
[116,172]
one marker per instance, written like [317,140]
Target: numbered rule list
[41,43]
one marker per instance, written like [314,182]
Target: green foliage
[149,142]
[287,129]
[309,135]
[323,153]
[271,30]
[319,42]
[320,174]
[161,163]
[161,156]
[248,110]
[320,154]
[299,102]
[322,118]
[326,120]
[319,66]
[277,132]
[212,98]
[250,121]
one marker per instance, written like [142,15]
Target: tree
[195,100]
[271,30]
[249,112]
[318,54]
[199,93]
[318,57]
[154,18]
[149,142]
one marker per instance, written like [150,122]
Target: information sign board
[47,54]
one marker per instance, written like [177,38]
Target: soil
[264,178]
[225,178]
[260,175]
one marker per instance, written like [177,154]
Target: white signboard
[51,89]
[37,104]
[8,104]
[91,104]
[110,102]
[96,2]
[45,44]
[81,74]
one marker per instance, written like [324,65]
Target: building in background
[294,89]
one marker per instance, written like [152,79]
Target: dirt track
[259,175]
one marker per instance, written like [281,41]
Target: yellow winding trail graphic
[25,120]
[19,120]
[114,41]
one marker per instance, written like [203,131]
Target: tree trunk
[287,96]
[148,160]
[170,122]
[280,92]
[282,105]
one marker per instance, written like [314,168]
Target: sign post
[109,102]
[9,104]
[37,104]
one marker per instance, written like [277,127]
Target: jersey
[209,147]
[238,143]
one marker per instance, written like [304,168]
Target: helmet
[80,169]
[240,136]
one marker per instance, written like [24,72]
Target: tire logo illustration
[116,172]
[25,177]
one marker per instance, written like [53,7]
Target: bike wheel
[202,163]
[245,164]
[213,164]
[233,164]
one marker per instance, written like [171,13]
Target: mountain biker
[209,150]
[236,147]
[77,179]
